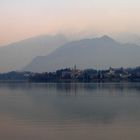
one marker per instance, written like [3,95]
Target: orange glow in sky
[21,19]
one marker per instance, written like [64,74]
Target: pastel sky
[21,19]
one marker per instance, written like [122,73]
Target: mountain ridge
[97,53]
[17,55]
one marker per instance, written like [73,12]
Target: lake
[69,111]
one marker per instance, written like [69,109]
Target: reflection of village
[89,75]
[93,89]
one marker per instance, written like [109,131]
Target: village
[89,75]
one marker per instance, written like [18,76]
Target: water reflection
[73,110]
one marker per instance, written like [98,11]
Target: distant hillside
[17,55]
[98,53]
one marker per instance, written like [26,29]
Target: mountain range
[17,55]
[98,53]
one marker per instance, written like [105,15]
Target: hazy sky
[21,19]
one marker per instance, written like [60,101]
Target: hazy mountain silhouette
[17,55]
[88,53]
[129,38]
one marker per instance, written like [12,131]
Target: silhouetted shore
[75,75]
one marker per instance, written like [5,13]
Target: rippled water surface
[69,111]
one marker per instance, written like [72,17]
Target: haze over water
[69,111]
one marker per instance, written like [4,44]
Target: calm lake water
[69,111]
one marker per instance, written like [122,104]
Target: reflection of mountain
[97,103]
[17,55]
[88,53]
